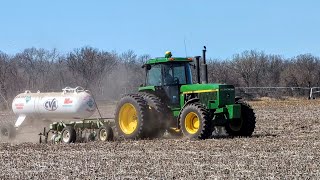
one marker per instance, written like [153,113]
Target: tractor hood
[201,88]
[213,95]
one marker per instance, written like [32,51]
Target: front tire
[196,122]
[243,126]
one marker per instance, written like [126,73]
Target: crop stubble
[285,145]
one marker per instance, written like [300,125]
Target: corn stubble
[285,145]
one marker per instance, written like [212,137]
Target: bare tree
[222,72]
[128,60]
[306,65]
[251,66]
[8,75]
[302,70]
[90,65]
[273,71]
[36,65]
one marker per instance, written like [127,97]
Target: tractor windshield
[169,74]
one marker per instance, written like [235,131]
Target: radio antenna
[185,46]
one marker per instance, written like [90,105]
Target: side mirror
[141,85]
[147,66]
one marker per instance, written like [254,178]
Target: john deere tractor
[169,101]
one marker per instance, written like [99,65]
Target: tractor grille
[226,97]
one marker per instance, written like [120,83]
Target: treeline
[253,68]
[110,74]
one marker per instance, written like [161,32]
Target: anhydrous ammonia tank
[71,103]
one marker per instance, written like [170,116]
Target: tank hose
[94,100]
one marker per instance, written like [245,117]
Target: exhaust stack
[198,68]
[204,69]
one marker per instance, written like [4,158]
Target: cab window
[154,76]
[174,74]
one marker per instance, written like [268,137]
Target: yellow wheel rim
[192,123]
[128,119]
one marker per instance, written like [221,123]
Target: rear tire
[130,117]
[68,135]
[245,125]
[156,116]
[196,122]
[105,134]
[7,132]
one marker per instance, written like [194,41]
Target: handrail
[73,90]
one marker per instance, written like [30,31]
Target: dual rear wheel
[140,116]
[130,117]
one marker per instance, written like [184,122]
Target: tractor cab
[166,75]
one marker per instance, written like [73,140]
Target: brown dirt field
[285,145]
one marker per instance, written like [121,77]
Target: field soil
[285,145]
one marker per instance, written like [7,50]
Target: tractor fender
[185,104]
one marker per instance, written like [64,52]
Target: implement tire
[7,132]
[243,126]
[68,135]
[157,112]
[130,117]
[105,133]
[196,122]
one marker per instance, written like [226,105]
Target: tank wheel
[7,132]
[243,126]
[195,122]
[130,117]
[105,133]
[68,134]
[156,116]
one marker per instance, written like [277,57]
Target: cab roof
[171,59]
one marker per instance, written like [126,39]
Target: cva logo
[51,104]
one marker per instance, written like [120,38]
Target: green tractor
[169,101]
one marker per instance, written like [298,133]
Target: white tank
[71,103]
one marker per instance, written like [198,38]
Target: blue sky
[285,27]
